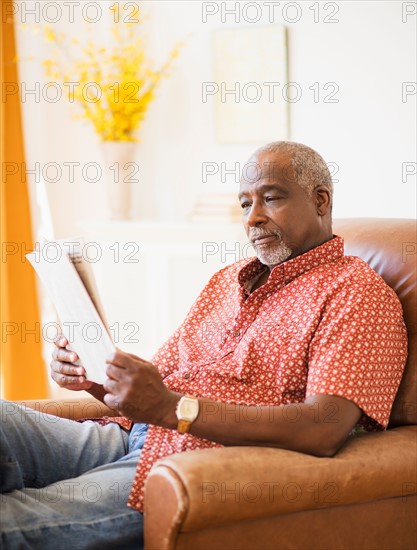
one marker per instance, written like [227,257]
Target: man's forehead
[273,168]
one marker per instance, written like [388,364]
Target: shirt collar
[291,269]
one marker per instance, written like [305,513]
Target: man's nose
[256,215]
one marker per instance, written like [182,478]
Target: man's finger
[67,368]
[119,358]
[140,359]
[110,385]
[125,360]
[65,380]
[111,401]
[114,372]
[65,355]
[60,341]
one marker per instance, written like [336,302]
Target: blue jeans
[65,484]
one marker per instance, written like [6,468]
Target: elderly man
[300,324]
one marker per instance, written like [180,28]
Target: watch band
[183,426]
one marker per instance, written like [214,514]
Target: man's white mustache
[255,234]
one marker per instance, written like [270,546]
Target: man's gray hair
[310,169]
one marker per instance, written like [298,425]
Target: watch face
[188,409]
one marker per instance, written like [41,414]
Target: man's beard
[271,254]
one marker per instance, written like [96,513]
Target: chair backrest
[389,246]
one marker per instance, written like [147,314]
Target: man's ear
[323,200]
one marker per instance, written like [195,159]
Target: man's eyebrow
[264,188]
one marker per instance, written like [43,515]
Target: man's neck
[261,279]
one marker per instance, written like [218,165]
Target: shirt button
[236,334]
[186,375]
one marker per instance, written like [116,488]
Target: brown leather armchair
[259,498]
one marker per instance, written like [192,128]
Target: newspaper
[69,282]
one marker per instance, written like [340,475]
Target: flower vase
[119,167]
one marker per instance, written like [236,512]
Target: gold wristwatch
[187,411]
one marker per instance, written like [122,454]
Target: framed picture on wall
[250,84]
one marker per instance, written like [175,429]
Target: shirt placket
[247,314]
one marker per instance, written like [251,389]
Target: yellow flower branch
[113,85]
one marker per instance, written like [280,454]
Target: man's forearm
[318,426]
[314,427]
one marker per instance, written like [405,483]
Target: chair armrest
[213,487]
[74,409]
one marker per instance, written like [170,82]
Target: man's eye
[270,199]
[244,205]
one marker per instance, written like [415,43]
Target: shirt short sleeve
[360,349]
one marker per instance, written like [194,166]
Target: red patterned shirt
[323,323]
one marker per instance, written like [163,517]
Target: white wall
[369,133]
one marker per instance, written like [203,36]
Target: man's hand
[64,372]
[135,388]
[70,376]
